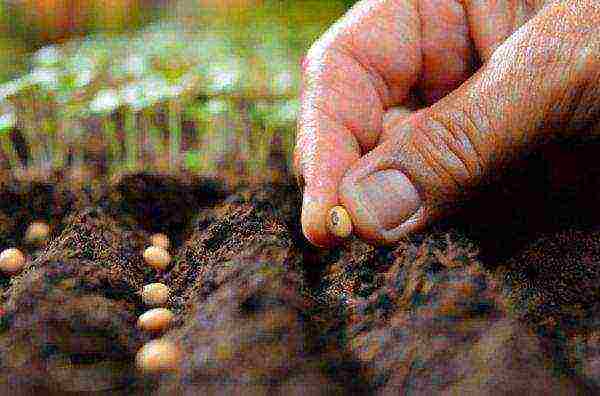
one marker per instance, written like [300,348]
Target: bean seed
[339,222]
[158,356]
[11,261]
[37,232]
[157,257]
[160,240]
[155,294]
[156,319]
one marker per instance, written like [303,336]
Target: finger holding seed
[339,222]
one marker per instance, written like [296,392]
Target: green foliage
[225,74]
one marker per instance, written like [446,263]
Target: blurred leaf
[7,121]
[250,54]
[106,101]
[11,88]
[46,77]
[193,160]
[217,106]
[47,57]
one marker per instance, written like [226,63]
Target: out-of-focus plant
[202,92]
[8,121]
[44,21]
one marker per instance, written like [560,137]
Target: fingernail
[388,196]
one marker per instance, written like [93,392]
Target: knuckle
[473,130]
[452,146]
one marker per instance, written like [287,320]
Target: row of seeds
[156,356]
[162,355]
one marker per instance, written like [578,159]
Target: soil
[500,298]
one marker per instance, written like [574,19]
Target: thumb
[542,81]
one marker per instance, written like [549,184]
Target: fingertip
[314,221]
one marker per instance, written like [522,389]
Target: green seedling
[133,96]
[105,104]
[174,131]
[47,57]
[194,160]
[140,97]
[246,71]
[8,120]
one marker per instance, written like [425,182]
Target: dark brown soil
[499,299]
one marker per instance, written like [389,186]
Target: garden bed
[503,305]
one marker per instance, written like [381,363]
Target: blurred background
[203,85]
[26,25]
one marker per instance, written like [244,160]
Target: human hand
[498,78]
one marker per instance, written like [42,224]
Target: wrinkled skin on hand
[478,84]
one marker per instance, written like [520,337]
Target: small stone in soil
[156,319]
[157,257]
[11,261]
[158,356]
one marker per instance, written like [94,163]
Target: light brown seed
[155,294]
[160,240]
[156,319]
[158,356]
[11,261]
[339,222]
[157,257]
[37,231]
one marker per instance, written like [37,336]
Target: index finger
[365,63]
